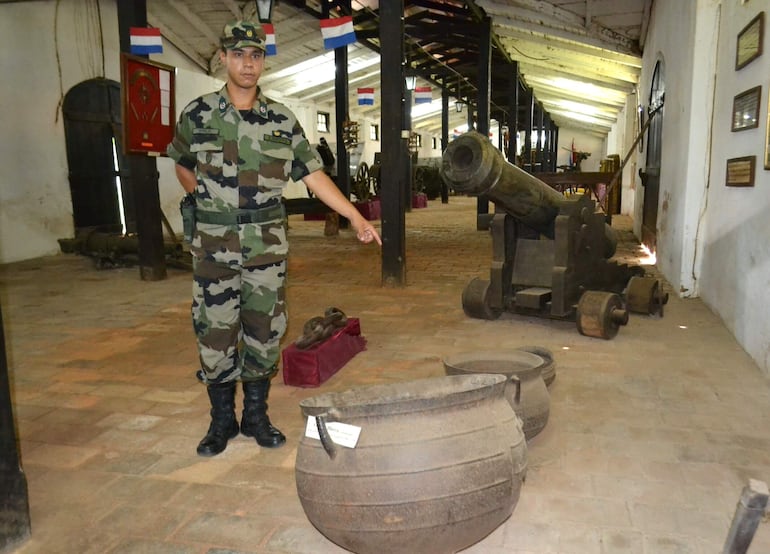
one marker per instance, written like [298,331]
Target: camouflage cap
[243,34]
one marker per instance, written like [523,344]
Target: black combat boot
[223,424]
[255,422]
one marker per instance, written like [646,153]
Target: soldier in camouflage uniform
[235,151]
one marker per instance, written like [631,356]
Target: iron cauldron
[526,390]
[438,465]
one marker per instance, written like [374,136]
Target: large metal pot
[548,368]
[526,391]
[438,465]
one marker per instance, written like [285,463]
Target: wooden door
[650,175]
[92,121]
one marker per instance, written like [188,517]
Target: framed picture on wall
[746,109]
[740,171]
[749,45]
[767,140]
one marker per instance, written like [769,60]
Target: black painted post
[341,114]
[14,500]
[341,108]
[546,142]
[444,137]
[539,144]
[513,109]
[472,123]
[555,146]
[528,116]
[141,174]
[484,86]
[392,197]
[406,152]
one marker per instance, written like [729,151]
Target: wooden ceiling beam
[549,71]
[576,96]
[193,19]
[552,43]
[182,45]
[548,19]
[542,56]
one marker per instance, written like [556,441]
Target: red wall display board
[147,89]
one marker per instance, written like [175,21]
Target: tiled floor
[651,438]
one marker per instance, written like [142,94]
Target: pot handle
[516,381]
[323,433]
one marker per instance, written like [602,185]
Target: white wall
[620,140]
[684,37]
[35,201]
[735,270]
[584,142]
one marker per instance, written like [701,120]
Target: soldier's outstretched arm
[325,190]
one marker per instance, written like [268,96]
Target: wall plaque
[746,109]
[740,171]
[749,45]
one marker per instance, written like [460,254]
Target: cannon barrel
[471,165]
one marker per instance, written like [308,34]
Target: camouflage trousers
[239,316]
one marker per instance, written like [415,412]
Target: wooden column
[392,198]
[546,165]
[141,173]
[341,114]
[513,109]
[342,110]
[538,124]
[528,115]
[444,137]
[406,153]
[483,101]
[14,500]
[555,146]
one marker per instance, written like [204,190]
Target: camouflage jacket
[240,161]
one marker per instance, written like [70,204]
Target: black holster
[187,209]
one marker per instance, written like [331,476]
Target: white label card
[340,433]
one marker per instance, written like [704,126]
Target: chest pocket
[208,150]
[275,164]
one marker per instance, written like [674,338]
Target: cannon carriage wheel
[362,175]
[645,295]
[362,182]
[600,314]
[421,178]
[476,300]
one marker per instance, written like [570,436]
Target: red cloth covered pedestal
[313,366]
[419,200]
[370,209]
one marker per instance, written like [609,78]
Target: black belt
[241,216]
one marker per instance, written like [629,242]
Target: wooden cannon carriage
[550,254]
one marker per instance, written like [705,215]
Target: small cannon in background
[550,254]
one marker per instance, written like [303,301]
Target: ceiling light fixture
[264,10]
